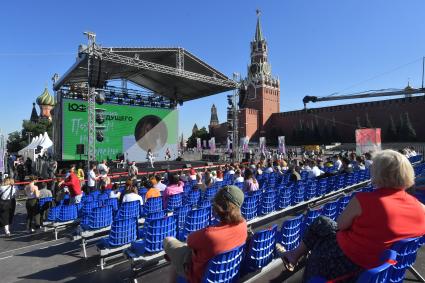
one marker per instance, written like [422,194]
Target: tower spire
[258,32]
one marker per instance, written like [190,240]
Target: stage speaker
[80,148]
[188,165]
[209,164]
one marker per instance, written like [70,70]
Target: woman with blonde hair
[7,204]
[371,223]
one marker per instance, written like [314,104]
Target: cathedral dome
[46,98]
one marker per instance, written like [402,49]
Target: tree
[201,133]
[410,133]
[18,140]
[391,133]
[15,142]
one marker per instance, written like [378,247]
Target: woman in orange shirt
[191,259]
[152,192]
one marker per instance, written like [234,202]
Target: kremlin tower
[46,102]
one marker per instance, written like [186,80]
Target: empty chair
[128,210]
[250,207]
[53,213]
[406,256]
[112,202]
[67,213]
[195,220]
[298,194]
[123,231]
[268,202]
[174,201]
[261,248]
[193,197]
[310,190]
[330,209]
[87,210]
[99,217]
[224,267]
[155,231]
[322,187]
[284,197]
[180,215]
[210,193]
[152,205]
[289,235]
[204,203]
[103,196]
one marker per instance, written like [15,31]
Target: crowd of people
[370,223]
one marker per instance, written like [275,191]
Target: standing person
[74,186]
[80,174]
[91,179]
[103,169]
[371,223]
[7,204]
[33,214]
[150,157]
[28,166]
[191,258]
[133,170]
[44,193]
[167,154]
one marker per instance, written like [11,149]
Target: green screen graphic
[129,130]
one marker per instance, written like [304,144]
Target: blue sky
[315,47]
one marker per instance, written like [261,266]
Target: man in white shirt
[103,169]
[91,180]
[314,172]
[238,177]
[337,162]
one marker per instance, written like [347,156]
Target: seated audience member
[250,183]
[337,163]
[371,223]
[368,160]
[359,163]
[238,177]
[192,174]
[314,172]
[346,167]
[220,176]
[132,195]
[183,177]
[269,168]
[152,191]
[175,186]
[295,174]
[115,192]
[191,258]
[200,185]
[159,184]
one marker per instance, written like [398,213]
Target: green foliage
[18,140]
[201,133]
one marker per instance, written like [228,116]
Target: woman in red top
[371,223]
[191,259]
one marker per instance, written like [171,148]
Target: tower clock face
[266,69]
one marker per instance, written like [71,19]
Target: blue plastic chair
[210,193]
[261,248]
[267,202]
[181,214]
[156,231]
[284,197]
[112,202]
[342,204]
[99,217]
[44,201]
[310,190]
[322,187]
[128,210]
[298,194]
[379,274]
[123,231]
[53,213]
[309,218]
[224,268]
[174,201]
[152,205]
[330,209]
[67,213]
[195,220]
[289,235]
[193,197]
[250,207]
[87,210]
[406,256]
[206,203]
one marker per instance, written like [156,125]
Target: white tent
[42,140]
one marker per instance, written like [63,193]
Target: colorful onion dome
[46,98]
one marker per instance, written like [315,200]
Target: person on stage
[150,157]
[167,154]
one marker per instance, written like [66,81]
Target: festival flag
[198,144]
[212,145]
[281,143]
[262,145]
[368,140]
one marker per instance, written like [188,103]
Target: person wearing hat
[191,258]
